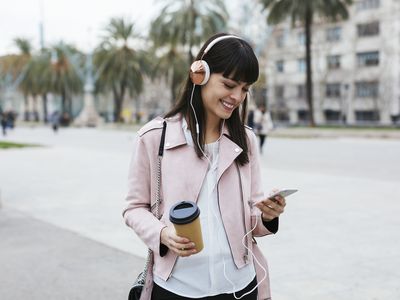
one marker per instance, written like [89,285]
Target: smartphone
[283,193]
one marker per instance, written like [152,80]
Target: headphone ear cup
[199,72]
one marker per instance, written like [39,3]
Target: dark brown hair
[235,59]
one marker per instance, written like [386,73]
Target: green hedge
[8,145]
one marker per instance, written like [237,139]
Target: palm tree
[35,80]
[24,46]
[28,84]
[186,23]
[305,12]
[21,62]
[66,74]
[171,65]
[120,67]
[44,71]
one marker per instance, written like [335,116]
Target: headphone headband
[213,42]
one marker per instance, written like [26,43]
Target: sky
[79,22]
[82,22]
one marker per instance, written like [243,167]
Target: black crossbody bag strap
[136,290]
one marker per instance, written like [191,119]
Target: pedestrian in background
[11,115]
[55,121]
[250,116]
[211,158]
[263,124]
[3,121]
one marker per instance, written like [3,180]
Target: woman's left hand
[271,208]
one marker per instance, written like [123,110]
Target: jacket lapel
[185,163]
[228,152]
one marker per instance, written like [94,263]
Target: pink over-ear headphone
[200,70]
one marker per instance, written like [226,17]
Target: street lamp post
[88,115]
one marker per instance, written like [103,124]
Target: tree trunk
[63,102]
[45,112]
[26,110]
[117,110]
[138,115]
[35,112]
[118,99]
[121,102]
[309,83]
[69,106]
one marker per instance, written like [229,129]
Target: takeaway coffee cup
[185,217]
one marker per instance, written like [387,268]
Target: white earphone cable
[255,258]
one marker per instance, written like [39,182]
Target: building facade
[355,67]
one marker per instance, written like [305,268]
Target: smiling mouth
[227,105]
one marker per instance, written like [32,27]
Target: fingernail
[194,251]
[192,244]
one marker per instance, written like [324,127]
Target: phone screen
[283,193]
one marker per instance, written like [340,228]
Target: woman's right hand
[180,245]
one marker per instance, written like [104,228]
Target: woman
[210,158]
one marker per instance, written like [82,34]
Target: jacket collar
[174,136]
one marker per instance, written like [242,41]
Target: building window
[301,38]
[365,59]
[301,63]
[333,34]
[367,115]
[367,4]
[332,115]
[279,66]
[333,61]
[280,41]
[282,116]
[332,90]
[301,91]
[303,115]
[279,91]
[368,29]
[367,89]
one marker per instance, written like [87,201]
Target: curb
[328,133]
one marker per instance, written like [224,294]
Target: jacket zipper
[246,257]
[170,274]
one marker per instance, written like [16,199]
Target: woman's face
[221,96]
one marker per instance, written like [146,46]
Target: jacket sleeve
[141,189]
[256,192]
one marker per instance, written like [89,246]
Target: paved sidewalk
[338,238]
[41,261]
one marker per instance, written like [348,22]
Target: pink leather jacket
[239,187]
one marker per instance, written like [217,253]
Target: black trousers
[262,140]
[162,294]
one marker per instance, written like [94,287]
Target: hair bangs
[235,59]
[242,67]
